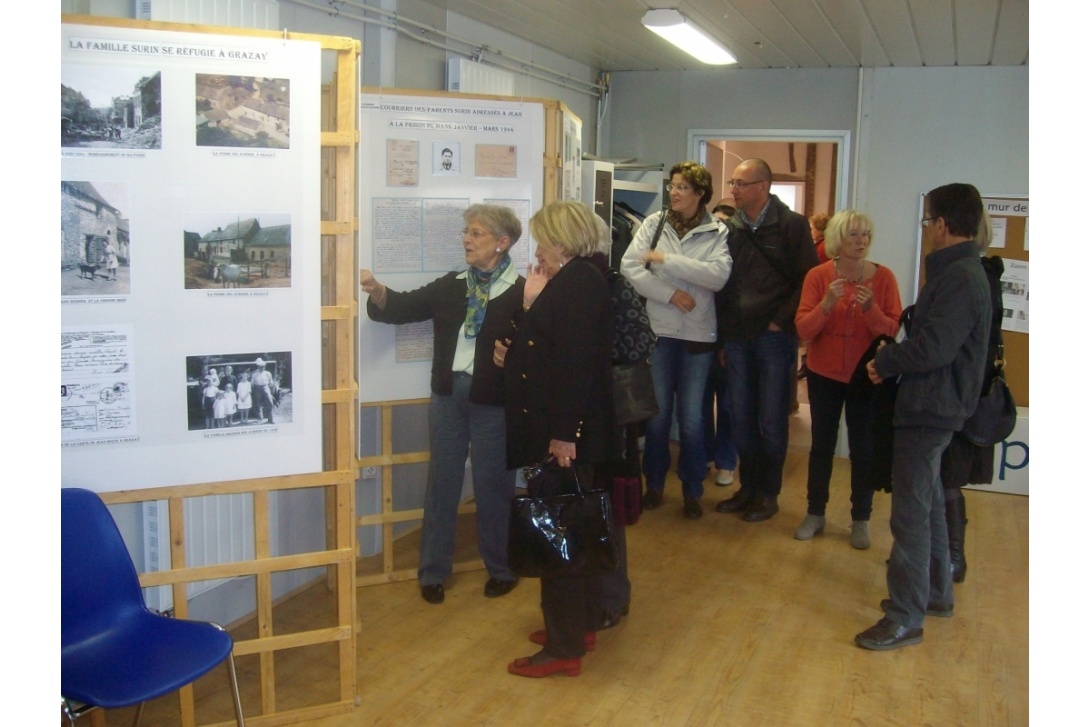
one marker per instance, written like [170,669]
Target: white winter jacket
[698,264]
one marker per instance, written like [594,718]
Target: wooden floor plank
[732,623]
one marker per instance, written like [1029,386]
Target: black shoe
[761,509]
[495,588]
[735,503]
[611,618]
[693,509]
[886,635]
[432,594]
[652,499]
[942,610]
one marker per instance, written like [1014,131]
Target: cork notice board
[1010,240]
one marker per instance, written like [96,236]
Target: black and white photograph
[446,158]
[239,251]
[104,107]
[243,111]
[95,245]
[238,390]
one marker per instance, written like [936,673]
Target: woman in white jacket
[679,274]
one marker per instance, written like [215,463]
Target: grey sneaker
[811,526]
[860,534]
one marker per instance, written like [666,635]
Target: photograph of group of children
[238,390]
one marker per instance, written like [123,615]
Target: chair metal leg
[234,683]
[234,689]
[73,712]
[139,713]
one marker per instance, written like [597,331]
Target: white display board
[190,231]
[423,161]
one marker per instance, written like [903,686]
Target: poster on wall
[190,239]
[423,162]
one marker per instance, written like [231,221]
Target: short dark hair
[959,206]
[725,209]
[696,175]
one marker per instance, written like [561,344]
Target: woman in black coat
[558,387]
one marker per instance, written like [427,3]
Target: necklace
[862,268]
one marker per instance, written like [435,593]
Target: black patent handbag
[559,528]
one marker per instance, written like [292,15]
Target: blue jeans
[676,371]
[759,373]
[827,398]
[459,427]
[718,439]
[919,564]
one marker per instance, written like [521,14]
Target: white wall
[912,130]
[923,127]
[651,112]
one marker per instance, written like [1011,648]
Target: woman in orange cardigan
[845,304]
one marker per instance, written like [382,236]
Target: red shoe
[590,639]
[524,668]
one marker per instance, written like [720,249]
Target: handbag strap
[658,233]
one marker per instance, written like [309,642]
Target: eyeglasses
[927,221]
[678,187]
[742,184]
[475,234]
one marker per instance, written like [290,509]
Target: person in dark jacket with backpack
[941,368]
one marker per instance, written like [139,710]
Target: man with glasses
[772,250]
[941,364]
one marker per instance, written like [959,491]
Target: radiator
[466,76]
[260,14]
[218,529]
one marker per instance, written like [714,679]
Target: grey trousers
[459,428]
[919,565]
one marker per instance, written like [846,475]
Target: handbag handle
[535,471]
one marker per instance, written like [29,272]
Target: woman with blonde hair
[845,304]
[558,402]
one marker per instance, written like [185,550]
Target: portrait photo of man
[446,156]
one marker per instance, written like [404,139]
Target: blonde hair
[568,226]
[984,232]
[841,224]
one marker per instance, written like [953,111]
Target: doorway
[809,168]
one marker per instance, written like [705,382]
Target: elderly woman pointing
[469,310]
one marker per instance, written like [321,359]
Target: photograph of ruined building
[111,108]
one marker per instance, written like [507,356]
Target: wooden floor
[731,624]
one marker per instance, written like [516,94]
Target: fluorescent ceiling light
[674,27]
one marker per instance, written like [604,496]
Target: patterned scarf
[683,227]
[480,282]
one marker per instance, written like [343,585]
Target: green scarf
[480,282]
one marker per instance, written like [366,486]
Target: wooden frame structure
[552,164]
[339,314]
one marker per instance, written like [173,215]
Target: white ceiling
[607,35]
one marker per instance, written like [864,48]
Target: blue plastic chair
[114,651]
